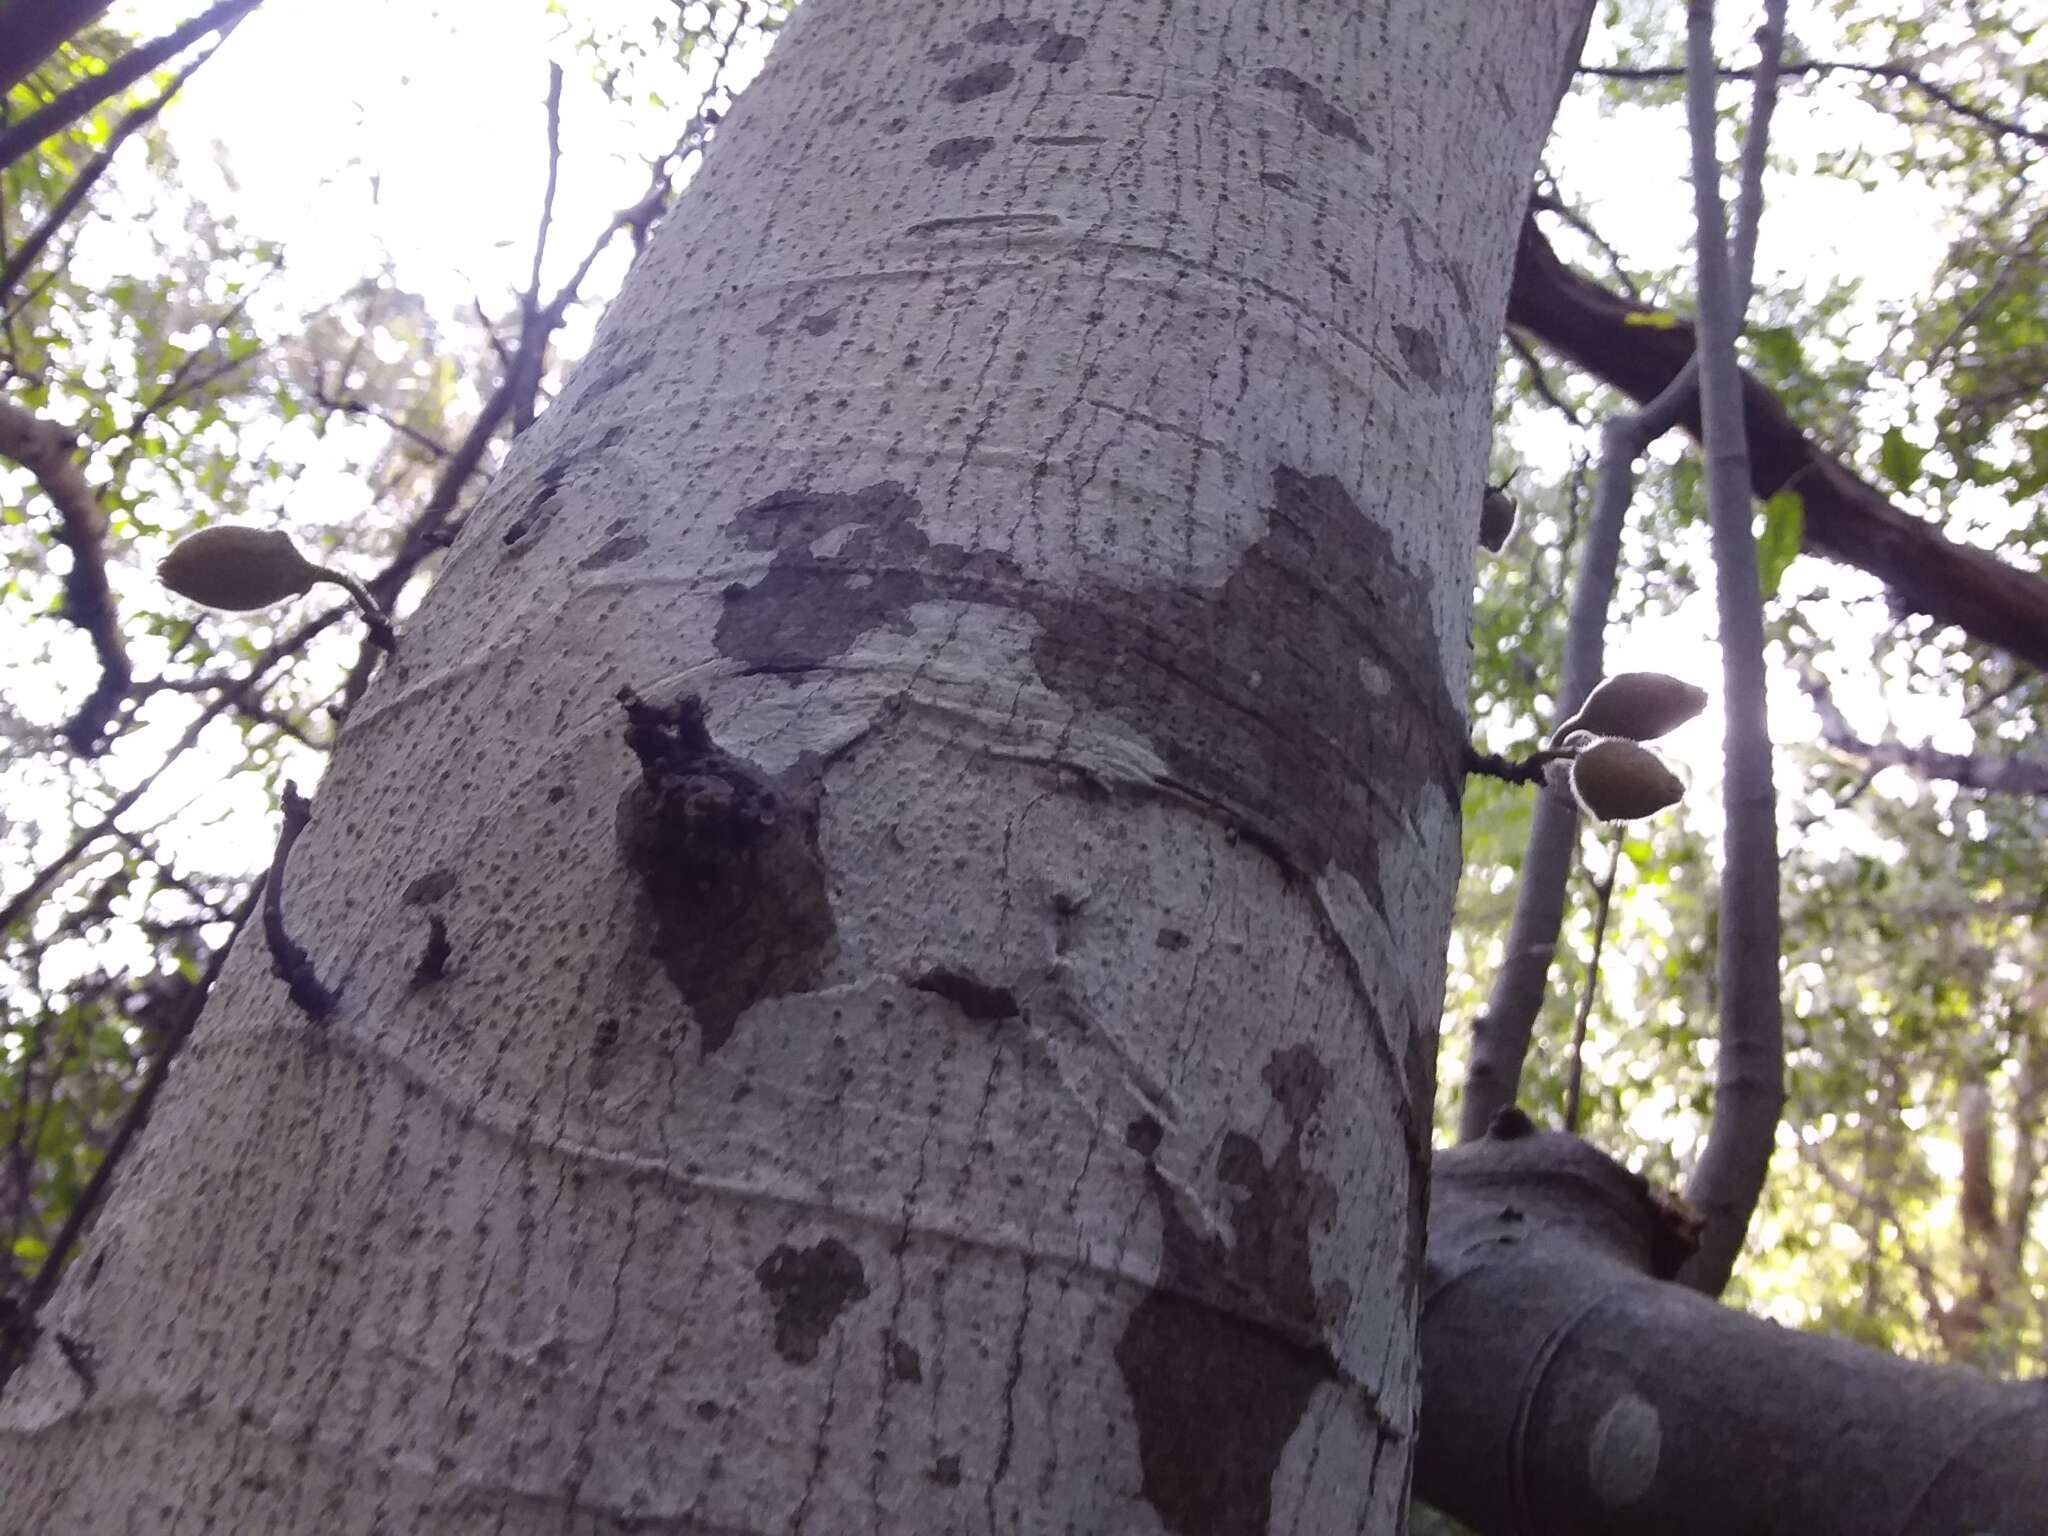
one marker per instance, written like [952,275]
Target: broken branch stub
[727,855]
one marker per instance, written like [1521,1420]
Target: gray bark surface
[1047,447]
[1570,1386]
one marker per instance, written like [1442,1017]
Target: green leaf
[31,1250]
[1899,459]
[1777,350]
[1651,319]
[1784,527]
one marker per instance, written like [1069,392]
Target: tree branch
[45,451]
[124,72]
[1846,519]
[1749,1068]
[38,28]
[1564,1388]
[2003,776]
[24,255]
[16,1339]
[1896,73]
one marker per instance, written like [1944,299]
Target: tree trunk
[989,1089]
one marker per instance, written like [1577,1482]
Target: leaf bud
[1617,780]
[1640,706]
[1496,517]
[237,568]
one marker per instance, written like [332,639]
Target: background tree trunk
[1052,450]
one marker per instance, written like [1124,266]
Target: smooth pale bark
[1568,1389]
[1054,448]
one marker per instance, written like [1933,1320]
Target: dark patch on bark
[976,998]
[430,888]
[991,222]
[946,1472]
[526,529]
[1003,32]
[612,375]
[1172,939]
[1314,106]
[1253,695]
[433,961]
[819,324]
[904,1362]
[810,1287]
[603,1042]
[1460,285]
[945,51]
[1060,48]
[612,551]
[727,855]
[1277,179]
[810,608]
[950,154]
[1338,274]
[1067,140]
[1419,351]
[1222,1357]
[706,1410]
[530,524]
[985,80]
[1144,1134]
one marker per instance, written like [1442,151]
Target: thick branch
[38,28]
[45,451]
[1846,519]
[124,72]
[1749,1071]
[132,121]
[1564,1389]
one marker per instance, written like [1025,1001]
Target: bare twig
[19,904]
[1540,381]
[45,450]
[16,1339]
[1896,73]
[547,201]
[2006,776]
[425,441]
[1604,894]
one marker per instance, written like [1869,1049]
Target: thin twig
[16,1339]
[1605,892]
[1898,74]
[547,202]
[289,961]
[1539,380]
